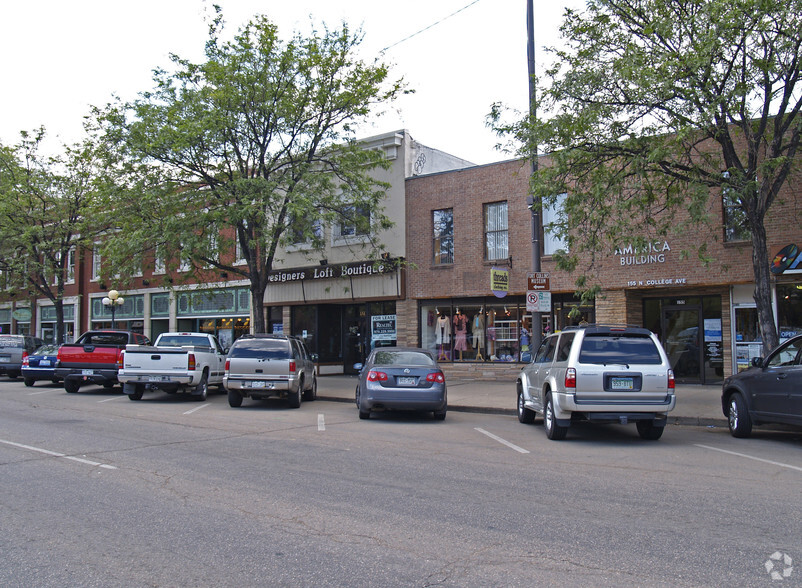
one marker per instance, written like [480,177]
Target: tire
[738,419]
[202,389]
[525,415]
[294,399]
[364,414]
[554,431]
[311,394]
[71,386]
[138,392]
[440,415]
[234,398]
[648,430]
[30,382]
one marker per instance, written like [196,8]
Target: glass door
[682,339]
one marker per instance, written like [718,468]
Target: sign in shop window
[383,327]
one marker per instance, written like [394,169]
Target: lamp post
[532,202]
[113,300]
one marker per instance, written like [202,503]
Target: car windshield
[618,349]
[402,358]
[260,349]
[181,340]
[47,350]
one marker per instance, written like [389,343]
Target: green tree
[657,106]
[255,146]
[51,209]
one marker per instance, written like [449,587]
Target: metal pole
[537,321]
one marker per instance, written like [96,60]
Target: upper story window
[443,225]
[355,222]
[305,231]
[736,227]
[96,262]
[553,215]
[496,235]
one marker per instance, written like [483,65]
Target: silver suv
[13,349]
[260,366]
[600,373]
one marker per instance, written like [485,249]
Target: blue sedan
[401,378]
[40,365]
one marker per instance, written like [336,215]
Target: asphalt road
[96,490]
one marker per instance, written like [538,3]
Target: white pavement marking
[777,463]
[113,398]
[502,441]
[42,392]
[321,422]
[54,454]
[198,408]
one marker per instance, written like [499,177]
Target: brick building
[465,224]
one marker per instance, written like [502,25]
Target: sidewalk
[696,404]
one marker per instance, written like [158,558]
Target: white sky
[61,56]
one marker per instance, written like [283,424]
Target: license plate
[621,383]
[406,381]
[154,379]
[44,363]
[87,372]
[5,359]
[257,384]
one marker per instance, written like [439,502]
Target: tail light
[228,365]
[292,367]
[570,378]
[671,383]
[24,355]
[25,362]
[436,377]
[376,376]
[191,362]
[121,360]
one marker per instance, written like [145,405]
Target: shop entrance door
[683,341]
[354,337]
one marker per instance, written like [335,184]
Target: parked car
[599,373]
[401,378]
[768,392]
[13,349]
[261,366]
[94,358]
[40,365]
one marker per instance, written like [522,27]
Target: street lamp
[113,300]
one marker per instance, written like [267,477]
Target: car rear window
[260,349]
[402,358]
[105,339]
[619,349]
[11,342]
[179,340]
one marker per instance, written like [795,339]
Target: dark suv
[259,366]
[13,348]
[600,373]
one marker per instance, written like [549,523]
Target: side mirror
[314,357]
[358,367]
[757,362]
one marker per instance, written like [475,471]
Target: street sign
[538,301]
[537,281]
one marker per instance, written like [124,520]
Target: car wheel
[524,414]
[234,398]
[554,431]
[294,399]
[311,394]
[738,419]
[202,389]
[138,392]
[71,386]
[30,382]
[440,415]
[648,430]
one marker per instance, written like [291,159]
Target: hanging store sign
[331,272]
[499,281]
[787,261]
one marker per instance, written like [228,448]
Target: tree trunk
[258,308]
[763,298]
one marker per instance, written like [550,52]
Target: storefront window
[789,310]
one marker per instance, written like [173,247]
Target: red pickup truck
[93,358]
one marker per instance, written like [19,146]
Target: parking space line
[55,454]
[42,392]
[198,408]
[113,398]
[502,441]
[321,422]
[777,463]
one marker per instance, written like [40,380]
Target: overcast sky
[61,56]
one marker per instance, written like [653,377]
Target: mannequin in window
[460,333]
[479,333]
[442,335]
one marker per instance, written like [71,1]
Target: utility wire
[430,26]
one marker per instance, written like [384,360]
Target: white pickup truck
[177,363]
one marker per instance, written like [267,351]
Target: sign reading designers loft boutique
[331,272]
